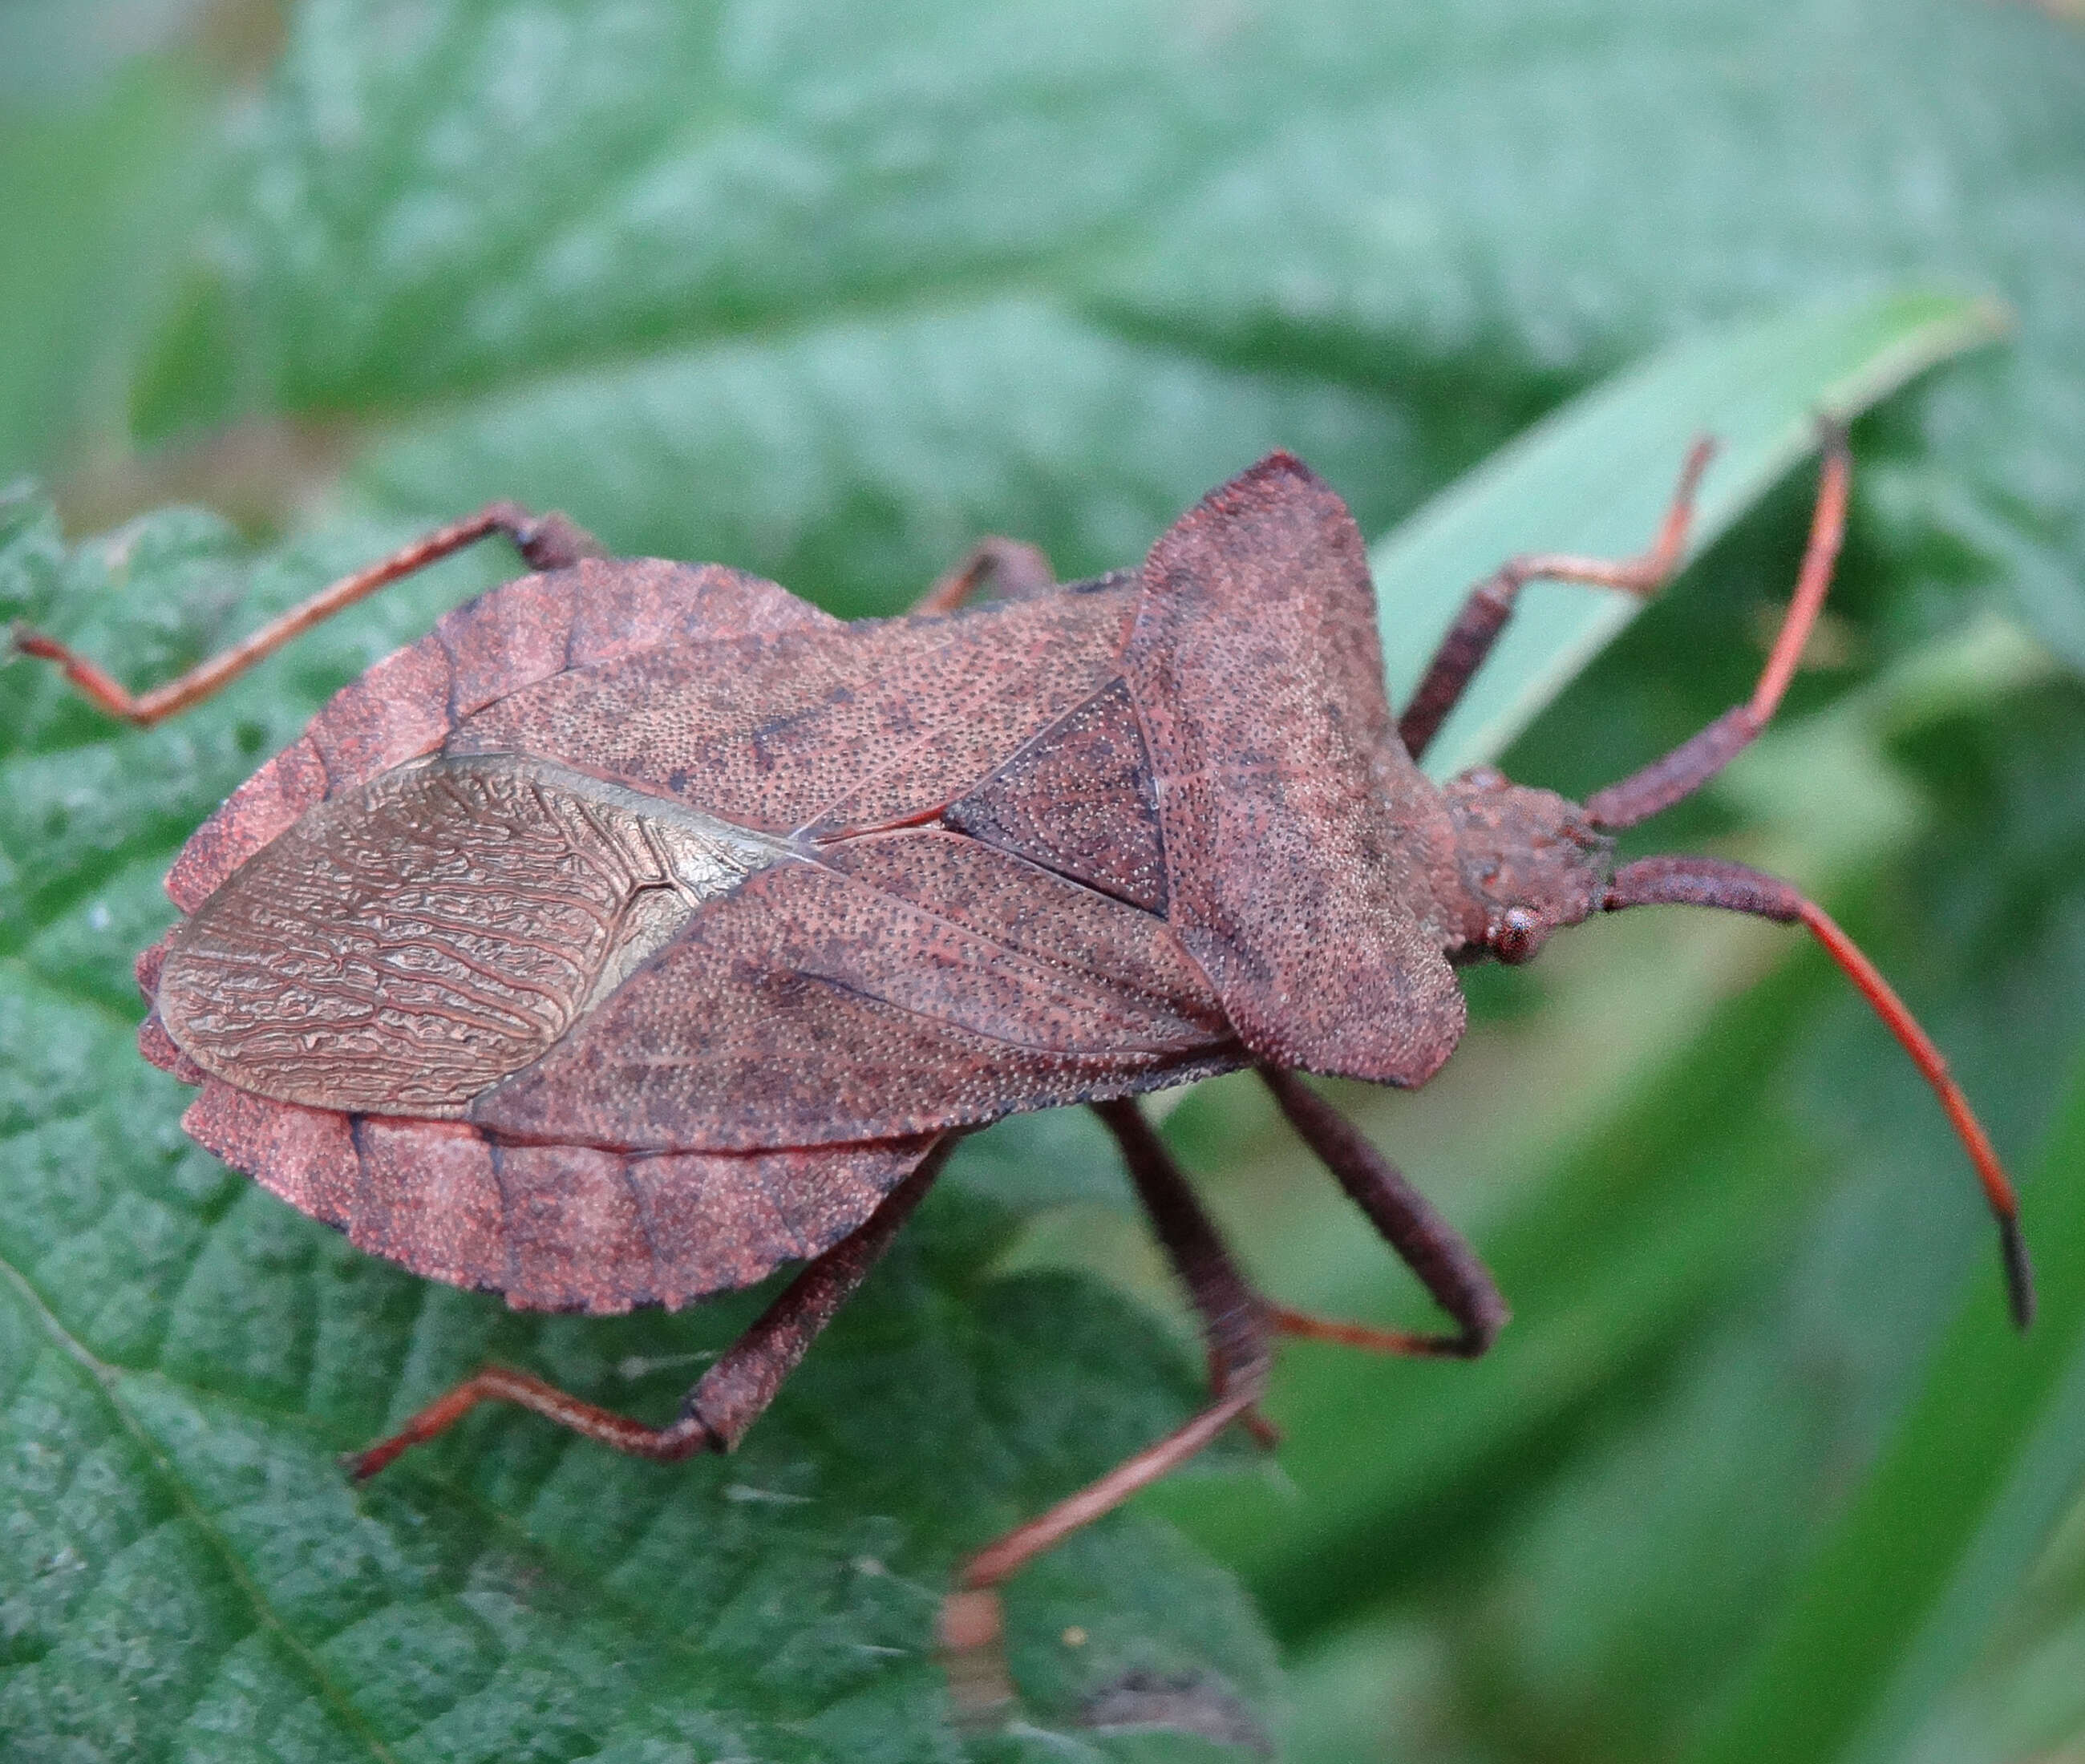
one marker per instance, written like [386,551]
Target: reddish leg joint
[1448,1267]
[1409,1344]
[1736,888]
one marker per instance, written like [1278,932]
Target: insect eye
[1518,936]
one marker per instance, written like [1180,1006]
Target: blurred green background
[825,291]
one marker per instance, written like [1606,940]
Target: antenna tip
[2019,1271]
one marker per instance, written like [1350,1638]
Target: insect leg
[545,541]
[1447,1266]
[1461,652]
[1233,1316]
[1696,760]
[500,1384]
[1737,887]
[1021,571]
[730,1396]
[1235,1325]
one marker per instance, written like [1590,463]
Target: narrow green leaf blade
[1594,479]
[1912,1577]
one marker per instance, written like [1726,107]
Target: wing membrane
[411,942]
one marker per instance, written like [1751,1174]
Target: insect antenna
[1737,887]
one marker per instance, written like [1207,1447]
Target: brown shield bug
[644,928]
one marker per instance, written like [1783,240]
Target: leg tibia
[1469,640]
[1459,1283]
[731,1395]
[546,542]
[496,1383]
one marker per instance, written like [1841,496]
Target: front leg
[1491,603]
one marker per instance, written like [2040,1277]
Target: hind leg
[545,541]
[729,1396]
[1235,1328]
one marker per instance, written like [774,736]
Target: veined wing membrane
[412,941]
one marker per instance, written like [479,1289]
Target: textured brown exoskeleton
[644,928]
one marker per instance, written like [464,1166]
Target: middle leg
[1431,1247]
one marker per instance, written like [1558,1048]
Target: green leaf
[92,818]
[81,829]
[1915,1574]
[1456,215]
[1491,192]
[1594,478]
[856,460]
[438,198]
